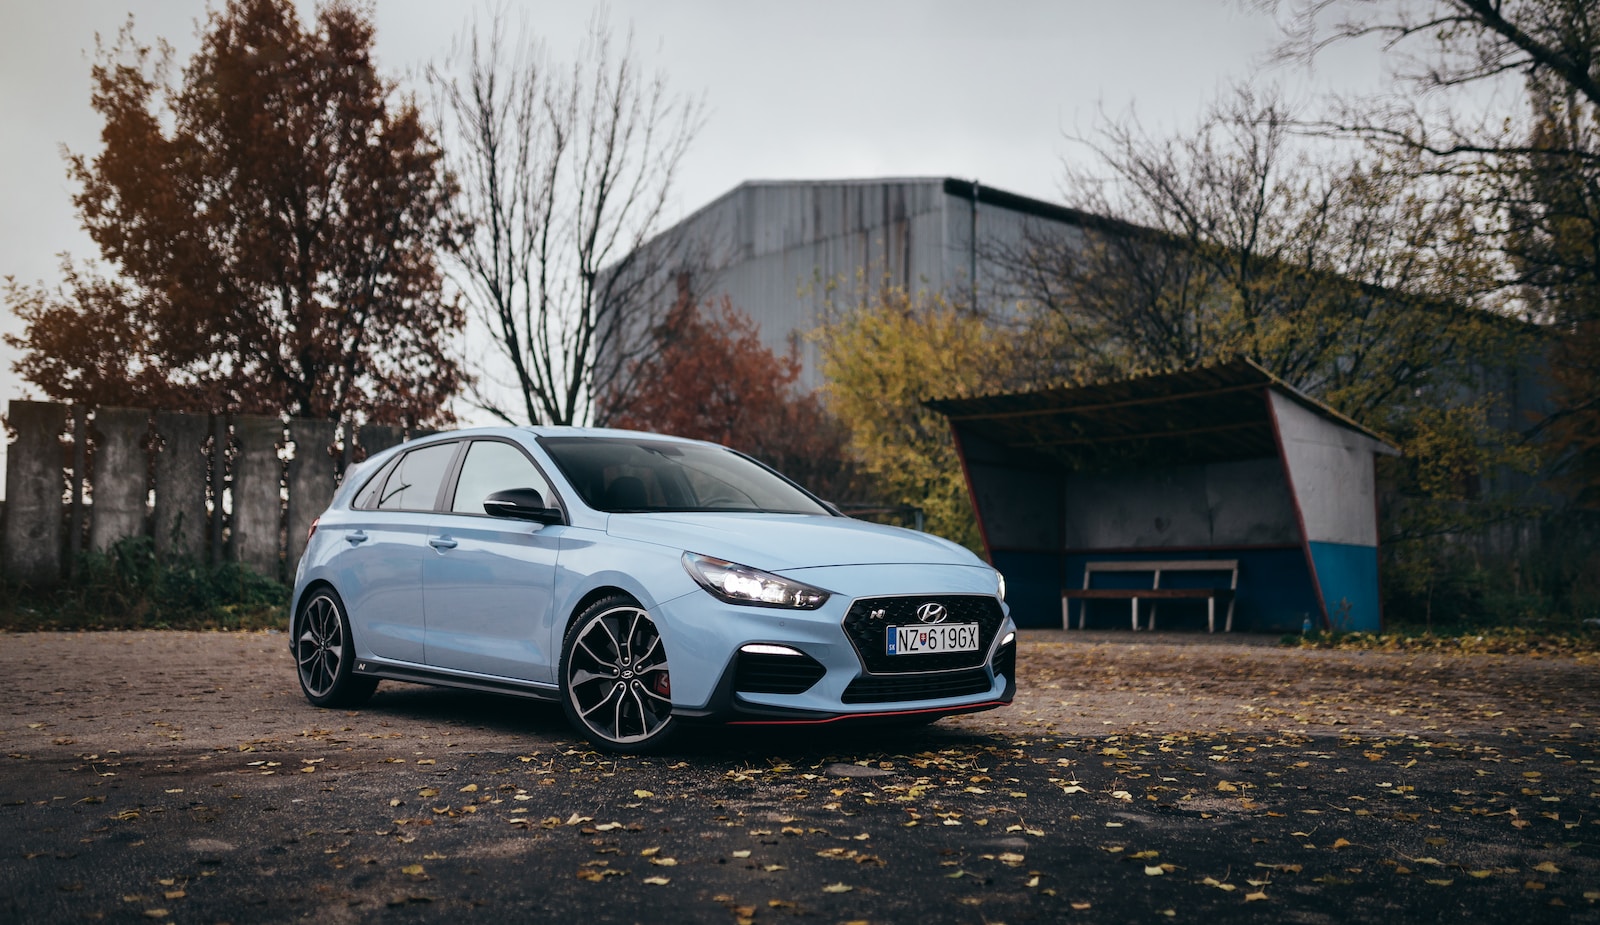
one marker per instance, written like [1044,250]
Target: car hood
[775,542]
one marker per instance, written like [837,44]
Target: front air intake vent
[760,673]
[917,687]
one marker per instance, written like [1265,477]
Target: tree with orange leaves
[273,221]
[711,378]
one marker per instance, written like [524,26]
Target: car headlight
[1000,584]
[741,584]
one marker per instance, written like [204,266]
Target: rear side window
[492,466]
[413,485]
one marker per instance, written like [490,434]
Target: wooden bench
[1155,592]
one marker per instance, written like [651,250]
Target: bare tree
[1446,44]
[566,172]
[1533,170]
[1235,239]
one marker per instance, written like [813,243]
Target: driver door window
[493,466]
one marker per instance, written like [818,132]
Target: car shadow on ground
[528,724]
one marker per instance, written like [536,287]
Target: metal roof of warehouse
[1208,414]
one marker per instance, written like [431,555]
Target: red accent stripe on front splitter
[948,711]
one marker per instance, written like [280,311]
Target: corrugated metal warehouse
[774,247]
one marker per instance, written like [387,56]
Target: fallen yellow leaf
[1548,867]
[643,794]
[837,888]
[1254,897]
[657,881]
[412,870]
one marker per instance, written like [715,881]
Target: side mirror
[521,503]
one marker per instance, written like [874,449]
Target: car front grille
[881,689]
[868,620]
[776,674]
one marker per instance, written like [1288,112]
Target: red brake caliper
[662,684]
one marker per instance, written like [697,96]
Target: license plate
[932,640]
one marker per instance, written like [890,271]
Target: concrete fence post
[217,461]
[76,482]
[312,478]
[30,544]
[257,494]
[180,516]
[120,480]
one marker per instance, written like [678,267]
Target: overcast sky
[820,89]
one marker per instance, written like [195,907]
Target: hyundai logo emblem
[932,613]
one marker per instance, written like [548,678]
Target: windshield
[618,474]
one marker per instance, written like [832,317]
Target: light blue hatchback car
[645,582]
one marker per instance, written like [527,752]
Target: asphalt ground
[164,776]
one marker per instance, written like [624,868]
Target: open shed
[1225,463]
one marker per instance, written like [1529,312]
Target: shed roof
[1208,414]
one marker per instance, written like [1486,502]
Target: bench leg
[1066,612]
[1136,615]
[1211,615]
[1228,626]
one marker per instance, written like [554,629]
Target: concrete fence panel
[30,544]
[218,489]
[120,477]
[181,519]
[312,479]
[375,438]
[257,493]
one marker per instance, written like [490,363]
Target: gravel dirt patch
[155,776]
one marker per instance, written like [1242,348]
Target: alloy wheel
[617,678]
[320,650]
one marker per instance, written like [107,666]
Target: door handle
[356,538]
[442,542]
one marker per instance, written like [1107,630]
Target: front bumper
[836,676]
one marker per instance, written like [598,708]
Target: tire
[325,654]
[615,684]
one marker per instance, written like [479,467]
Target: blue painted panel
[1033,586]
[1275,591]
[1349,579]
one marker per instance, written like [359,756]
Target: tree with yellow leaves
[882,358]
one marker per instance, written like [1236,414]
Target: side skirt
[532,690]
